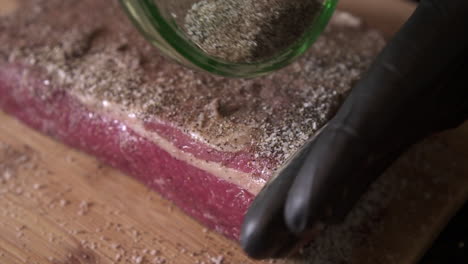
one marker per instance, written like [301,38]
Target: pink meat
[208,144]
[218,204]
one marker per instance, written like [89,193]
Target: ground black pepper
[248,30]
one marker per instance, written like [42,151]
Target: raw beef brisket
[79,72]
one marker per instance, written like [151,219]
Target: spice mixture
[248,30]
[271,116]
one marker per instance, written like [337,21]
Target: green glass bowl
[157,20]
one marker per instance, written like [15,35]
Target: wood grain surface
[58,205]
[8,6]
[386,15]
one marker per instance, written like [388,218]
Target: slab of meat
[79,72]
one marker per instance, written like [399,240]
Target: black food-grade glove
[415,87]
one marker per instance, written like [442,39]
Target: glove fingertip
[296,214]
[250,240]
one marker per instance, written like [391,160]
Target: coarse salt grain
[63,202]
[159,260]
[137,259]
[7,175]
[217,260]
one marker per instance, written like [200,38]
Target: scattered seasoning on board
[248,30]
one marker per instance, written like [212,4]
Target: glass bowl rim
[148,14]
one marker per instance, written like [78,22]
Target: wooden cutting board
[58,205]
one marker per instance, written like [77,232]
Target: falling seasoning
[245,31]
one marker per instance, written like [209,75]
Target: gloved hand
[416,86]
